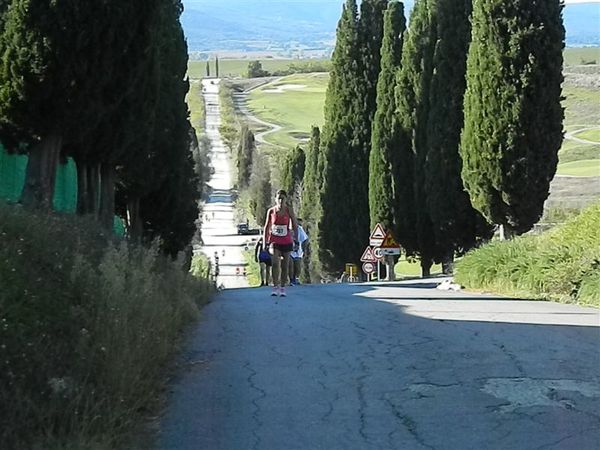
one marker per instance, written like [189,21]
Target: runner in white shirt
[297,254]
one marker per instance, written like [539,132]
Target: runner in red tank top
[280,234]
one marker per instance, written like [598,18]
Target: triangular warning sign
[378,232]
[368,255]
[389,242]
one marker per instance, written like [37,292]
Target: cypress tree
[207,69]
[385,137]
[217,66]
[260,189]
[162,146]
[312,180]
[412,97]
[292,175]
[245,152]
[175,222]
[513,115]
[39,83]
[457,226]
[338,208]
[146,117]
[370,35]
[309,206]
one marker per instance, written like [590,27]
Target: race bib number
[279,230]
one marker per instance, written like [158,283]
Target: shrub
[562,264]
[87,324]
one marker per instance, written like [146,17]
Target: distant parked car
[244,229]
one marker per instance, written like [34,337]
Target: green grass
[561,264]
[576,151]
[296,110]
[88,325]
[412,268]
[581,111]
[590,135]
[581,107]
[583,168]
[575,56]
[196,106]
[233,68]
[252,267]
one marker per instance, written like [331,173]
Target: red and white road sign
[368,268]
[368,256]
[377,235]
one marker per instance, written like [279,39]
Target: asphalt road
[396,366]
[367,366]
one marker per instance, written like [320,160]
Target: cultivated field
[234,68]
[294,102]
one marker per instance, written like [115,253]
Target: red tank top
[280,228]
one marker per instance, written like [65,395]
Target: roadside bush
[87,324]
[561,264]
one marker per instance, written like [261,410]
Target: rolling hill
[287,27]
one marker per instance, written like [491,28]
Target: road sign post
[389,247]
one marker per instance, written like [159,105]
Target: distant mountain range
[307,27]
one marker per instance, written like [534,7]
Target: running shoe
[274,292]
[282,292]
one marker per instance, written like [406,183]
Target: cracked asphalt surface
[378,366]
[391,366]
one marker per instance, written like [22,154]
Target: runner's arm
[267,229]
[294,224]
[257,249]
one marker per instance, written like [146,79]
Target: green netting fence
[12,179]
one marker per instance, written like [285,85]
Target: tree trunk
[506,233]
[426,264]
[448,264]
[134,222]
[389,263]
[82,189]
[40,176]
[107,196]
[93,198]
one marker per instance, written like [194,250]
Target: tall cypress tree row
[513,116]
[349,110]
[118,116]
[457,226]
[336,222]
[412,97]
[385,139]
[40,82]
